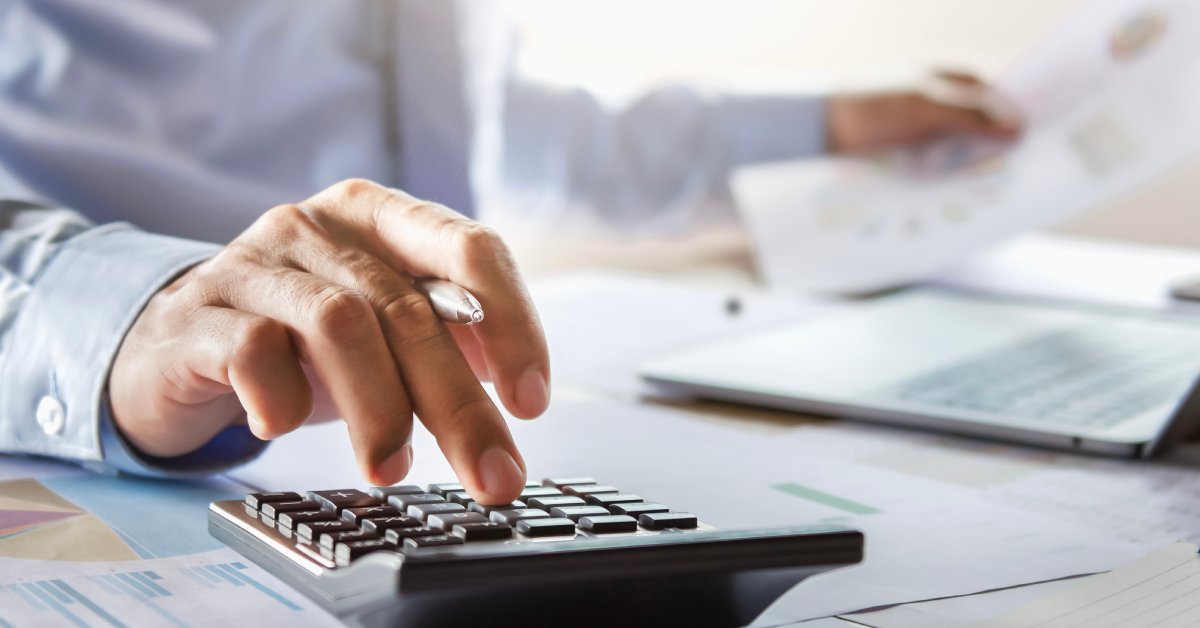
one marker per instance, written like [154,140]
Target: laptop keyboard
[1093,376]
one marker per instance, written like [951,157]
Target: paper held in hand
[1111,100]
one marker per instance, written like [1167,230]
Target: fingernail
[533,393]
[499,473]
[396,466]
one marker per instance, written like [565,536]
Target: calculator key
[309,530]
[342,498]
[384,492]
[448,487]
[273,510]
[346,552]
[637,508]
[511,517]
[328,540]
[460,497]
[606,524]
[422,511]
[575,512]
[608,500]
[289,520]
[435,540]
[662,520]
[449,520]
[256,500]
[565,482]
[555,526]
[403,502]
[356,515]
[379,524]
[538,491]
[584,490]
[487,509]
[546,503]
[397,535]
[485,531]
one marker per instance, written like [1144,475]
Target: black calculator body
[570,552]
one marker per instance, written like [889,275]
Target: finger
[337,332]
[255,357]
[464,335]
[976,120]
[445,392]
[431,240]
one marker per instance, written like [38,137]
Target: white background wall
[625,44]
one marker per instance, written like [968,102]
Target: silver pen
[452,302]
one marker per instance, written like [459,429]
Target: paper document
[81,549]
[1160,590]
[1112,100]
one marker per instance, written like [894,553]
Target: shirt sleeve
[69,292]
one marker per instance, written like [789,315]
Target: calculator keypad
[345,524]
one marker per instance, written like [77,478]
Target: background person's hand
[949,103]
[310,315]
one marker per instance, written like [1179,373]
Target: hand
[310,315]
[950,103]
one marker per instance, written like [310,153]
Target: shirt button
[51,416]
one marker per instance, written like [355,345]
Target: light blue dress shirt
[133,133]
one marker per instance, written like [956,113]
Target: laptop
[1099,380]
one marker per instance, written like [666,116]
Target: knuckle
[258,339]
[283,221]
[414,315]
[467,412]
[339,313]
[354,187]
[473,243]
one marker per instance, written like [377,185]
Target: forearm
[68,293]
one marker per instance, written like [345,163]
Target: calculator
[568,552]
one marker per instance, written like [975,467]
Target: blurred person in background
[335,151]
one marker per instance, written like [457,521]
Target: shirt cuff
[67,333]
[763,128]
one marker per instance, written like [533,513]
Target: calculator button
[546,503]
[449,520]
[511,517]
[539,491]
[605,524]
[273,510]
[422,511]
[346,552]
[556,526]
[661,520]
[575,512]
[356,515]
[342,498]
[379,524]
[637,508]
[289,520]
[384,492]
[486,531]
[435,540]
[404,501]
[328,540]
[257,500]
[564,482]
[397,535]
[309,530]
[486,509]
[584,490]
[460,497]
[609,500]
[443,489]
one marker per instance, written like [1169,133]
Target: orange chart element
[38,524]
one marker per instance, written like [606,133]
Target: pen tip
[477,316]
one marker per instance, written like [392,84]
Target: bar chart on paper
[164,592]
